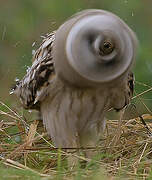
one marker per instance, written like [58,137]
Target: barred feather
[32,87]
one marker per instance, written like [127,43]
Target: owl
[79,72]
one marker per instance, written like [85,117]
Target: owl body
[74,117]
[73,97]
[72,113]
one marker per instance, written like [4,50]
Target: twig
[18,165]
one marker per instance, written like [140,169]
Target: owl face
[93,47]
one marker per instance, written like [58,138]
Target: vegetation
[124,152]
[26,151]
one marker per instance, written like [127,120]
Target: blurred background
[23,22]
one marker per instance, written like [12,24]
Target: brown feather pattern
[39,76]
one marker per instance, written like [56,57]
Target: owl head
[94,47]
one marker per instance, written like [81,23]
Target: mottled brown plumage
[73,103]
[38,77]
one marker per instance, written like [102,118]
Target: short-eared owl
[78,73]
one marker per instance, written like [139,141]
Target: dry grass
[125,151]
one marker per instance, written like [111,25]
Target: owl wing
[131,80]
[34,84]
[121,95]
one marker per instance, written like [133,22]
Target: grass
[26,151]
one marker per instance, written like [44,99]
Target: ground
[26,151]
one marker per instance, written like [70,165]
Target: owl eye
[106,48]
